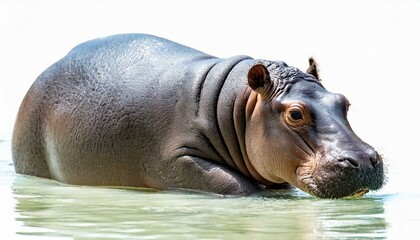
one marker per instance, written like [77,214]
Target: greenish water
[33,208]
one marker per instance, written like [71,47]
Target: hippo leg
[27,144]
[190,172]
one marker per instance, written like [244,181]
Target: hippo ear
[259,79]
[313,68]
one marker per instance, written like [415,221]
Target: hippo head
[298,132]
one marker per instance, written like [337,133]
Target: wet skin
[141,111]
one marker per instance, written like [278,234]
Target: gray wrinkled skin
[141,111]
[135,110]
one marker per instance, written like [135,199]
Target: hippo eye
[296,115]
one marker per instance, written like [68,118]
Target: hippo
[137,110]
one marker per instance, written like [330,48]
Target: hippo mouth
[359,193]
[322,179]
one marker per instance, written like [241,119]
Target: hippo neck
[245,102]
[234,98]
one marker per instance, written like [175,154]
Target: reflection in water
[46,208]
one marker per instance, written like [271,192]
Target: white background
[367,50]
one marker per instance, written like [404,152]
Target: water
[34,208]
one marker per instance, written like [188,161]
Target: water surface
[34,208]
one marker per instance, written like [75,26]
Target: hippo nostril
[352,162]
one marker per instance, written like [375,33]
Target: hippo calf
[142,111]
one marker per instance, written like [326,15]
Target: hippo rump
[137,110]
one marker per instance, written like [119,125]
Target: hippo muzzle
[336,173]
